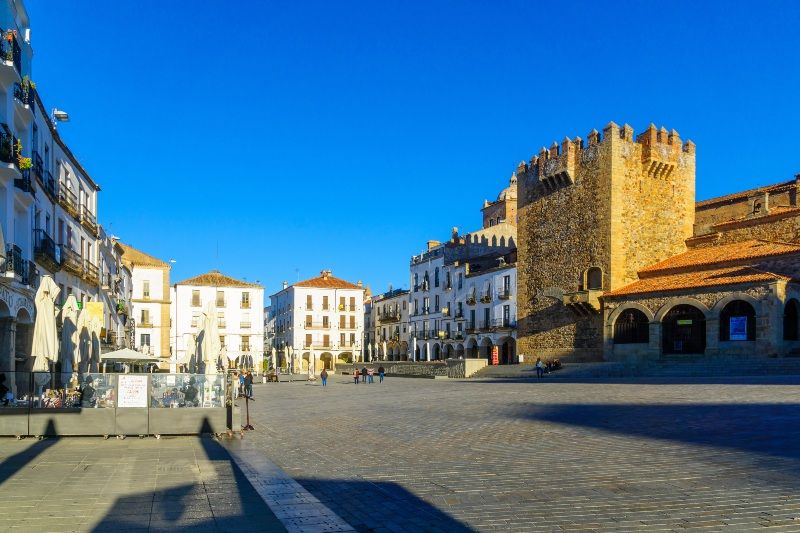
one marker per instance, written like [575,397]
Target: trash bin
[263,379]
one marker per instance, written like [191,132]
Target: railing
[426,310]
[459,314]
[196,303]
[389,317]
[458,335]
[470,328]
[221,324]
[484,325]
[448,286]
[37,166]
[343,307]
[24,93]
[71,260]
[504,294]
[49,184]
[45,249]
[346,326]
[503,323]
[90,272]
[317,325]
[88,219]
[14,261]
[8,145]
[145,324]
[325,307]
[67,199]
[11,50]
[244,305]
[24,182]
[245,325]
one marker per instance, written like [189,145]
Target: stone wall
[616,204]
[464,368]
[400,368]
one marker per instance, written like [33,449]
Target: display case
[187,404]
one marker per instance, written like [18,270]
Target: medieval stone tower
[591,214]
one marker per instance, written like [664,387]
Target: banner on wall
[495,355]
[738,326]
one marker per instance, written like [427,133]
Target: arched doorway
[326,361]
[459,351]
[791,315]
[403,355]
[448,351]
[345,358]
[472,349]
[632,327]
[737,322]
[486,349]
[508,352]
[684,330]
[305,362]
[437,352]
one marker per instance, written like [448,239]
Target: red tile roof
[691,280]
[326,281]
[719,255]
[778,211]
[131,256]
[215,278]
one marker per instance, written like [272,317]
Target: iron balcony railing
[244,305]
[317,325]
[389,317]
[485,325]
[88,219]
[49,184]
[486,297]
[458,335]
[8,145]
[10,49]
[24,182]
[504,294]
[470,328]
[503,323]
[221,324]
[245,325]
[459,314]
[90,272]
[67,199]
[14,261]
[45,249]
[24,93]
[37,165]
[71,260]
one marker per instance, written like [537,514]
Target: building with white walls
[150,302]
[240,317]
[319,322]
[389,325]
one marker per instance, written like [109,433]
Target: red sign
[495,356]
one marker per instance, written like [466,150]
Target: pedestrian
[381,372]
[355,376]
[324,377]
[248,384]
[371,375]
[539,368]
[363,374]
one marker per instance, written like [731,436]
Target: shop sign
[495,355]
[738,330]
[685,322]
[132,391]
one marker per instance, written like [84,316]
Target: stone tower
[590,215]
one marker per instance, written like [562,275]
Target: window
[426,305]
[594,279]
[308,341]
[324,303]
[220,319]
[631,327]
[245,300]
[436,277]
[325,322]
[404,305]
[486,319]
[145,289]
[352,322]
[506,315]
[352,303]
[790,318]
[195,317]
[342,319]
[144,339]
[308,321]
[460,280]
[326,341]
[352,339]
[245,343]
[145,316]
[436,303]
[222,340]
[310,302]
[220,298]
[196,298]
[342,343]
[416,281]
[447,284]
[737,322]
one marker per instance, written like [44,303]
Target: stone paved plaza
[416,454]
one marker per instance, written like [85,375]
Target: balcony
[317,325]
[220,302]
[88,220]
[244,305]
[459,314]
[16,266]
[67,199]
[24,182]
[145,324]
[245,325]
[343,307]
[11,54]
[9,146]
[90,272]
[470,328]
[45,250]
[71,261]
[448,286]
[196,302]
[346,326]
[49,185]
[221,324]
[503,323]
[486,298]
[458,335]
[388,318]
[24,98]
[504,294]
[583,303]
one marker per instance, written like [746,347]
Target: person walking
[381,372]
[539,368]
[363,374]
[241,384]
[370,375]
[355,376]
[324,377]
[248,384]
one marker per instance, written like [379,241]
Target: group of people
[245,380]
[549,366]
[367,375]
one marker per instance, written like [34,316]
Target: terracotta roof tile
[327,282]
[215,278]
[744,194]
[132,256]
[718,255]
[690,280]
[779,211]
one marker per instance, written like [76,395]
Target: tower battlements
[661,152]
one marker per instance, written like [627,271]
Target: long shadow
[771,429]
[650,380]
[14,463]
[224,502]
[384,504]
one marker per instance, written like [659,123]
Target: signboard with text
[495,355]
[132,391]
[738,328]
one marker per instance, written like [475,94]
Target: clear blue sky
[294,136]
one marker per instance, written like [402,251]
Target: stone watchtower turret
[591,214]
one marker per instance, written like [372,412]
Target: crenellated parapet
[661,151]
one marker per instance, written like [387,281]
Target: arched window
[737,322]
[436,277]
[502,242]
[594,279]
[790,317]
[684,330]
[631,327]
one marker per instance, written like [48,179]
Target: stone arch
[791,320]
[683,330]
[494,241]
[460,351]
[437,352]
[471,348]
[403,355]
[327,361]
[485,348]
[5,310]
[664,309]
[720,305]
[503,242]
[507,348]
[738,309]
[344,358]
[305,361]
[447,351]
[612,318]
[23,316]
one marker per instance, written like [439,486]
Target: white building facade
[319,322]
[240,317]
[389,320]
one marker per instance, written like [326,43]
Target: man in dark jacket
[364,375]
[381,372]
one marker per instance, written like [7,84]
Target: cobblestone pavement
[88,484]
[416,454]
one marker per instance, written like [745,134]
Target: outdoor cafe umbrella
[414,350]
[45,338]
[428,351]
[273,359]
[84,337]
[70,351]
[384,351]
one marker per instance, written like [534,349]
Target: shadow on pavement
[555,378]
[383,503]
[767,429]
[17,462]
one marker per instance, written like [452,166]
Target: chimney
[433,244]
[285,284]
[359,284]
[325,273]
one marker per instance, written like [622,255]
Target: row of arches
[683,323]
[471,348]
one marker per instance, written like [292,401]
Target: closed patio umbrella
[210,346]
[384,351]
[45,338]
[70,350]
[414,350]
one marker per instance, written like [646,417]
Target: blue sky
[274,139]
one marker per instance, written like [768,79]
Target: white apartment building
[240,317]
[319,322]
[150,302]
[389,323]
